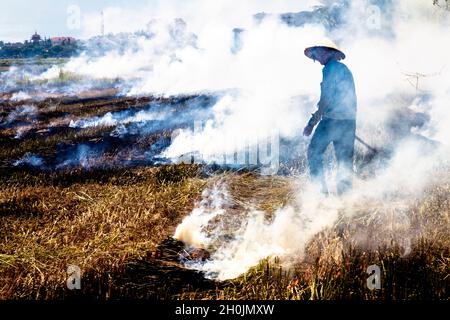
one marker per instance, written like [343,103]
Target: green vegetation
[6,64]
[32,61]
[40,50]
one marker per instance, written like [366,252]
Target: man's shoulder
[334,64]
[337,68]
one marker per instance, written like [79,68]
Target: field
[6,64]
[72,193]
[37,61]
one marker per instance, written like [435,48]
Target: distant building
[61,41]
[35,38]
[39,46]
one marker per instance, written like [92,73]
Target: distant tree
[43,49]
[442,4]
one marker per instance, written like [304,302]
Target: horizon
[81,19]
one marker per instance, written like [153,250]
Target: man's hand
[315,118]
[308,130]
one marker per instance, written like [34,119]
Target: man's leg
[344,146]
[316,149]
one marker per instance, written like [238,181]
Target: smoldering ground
[124,131]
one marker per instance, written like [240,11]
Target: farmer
[336,116]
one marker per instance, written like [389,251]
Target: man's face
[322,56]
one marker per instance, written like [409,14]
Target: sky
[19,19]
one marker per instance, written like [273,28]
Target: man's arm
[326,95]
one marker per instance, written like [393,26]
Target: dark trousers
[342,134]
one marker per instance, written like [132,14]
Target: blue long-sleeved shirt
[338,96]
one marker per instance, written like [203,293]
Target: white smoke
[270,70]
[24,111]
[29,159]
[255,238]
[385,68]
[211,206]
[115,119]
[212,224]
[20,96]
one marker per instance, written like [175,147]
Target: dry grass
[97,226]
[111,223]
[115,224]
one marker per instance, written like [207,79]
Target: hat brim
[312,51]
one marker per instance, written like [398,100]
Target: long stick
[366,145]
